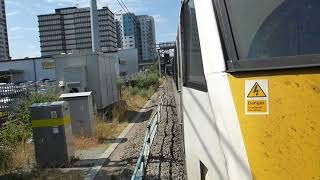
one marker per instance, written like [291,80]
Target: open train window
[271,34]
[192,57]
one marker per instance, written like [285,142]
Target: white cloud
[18,28]
[159,19]
[12,13]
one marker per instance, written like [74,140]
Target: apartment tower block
[68,30]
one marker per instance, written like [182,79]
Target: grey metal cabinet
[52,134]
[82,113]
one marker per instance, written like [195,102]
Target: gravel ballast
[166,159]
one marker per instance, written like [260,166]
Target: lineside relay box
[81,111]
[52,134]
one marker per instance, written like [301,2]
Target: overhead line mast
[96,47]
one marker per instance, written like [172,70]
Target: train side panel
[202,144]
[285,143]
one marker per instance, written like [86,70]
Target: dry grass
[162,81]
[132,100]
[135,101]
[82,142]
[119,112]
[103,132]
[122,113]
[106,131]
[21,157]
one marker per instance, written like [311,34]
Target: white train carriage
[248,88]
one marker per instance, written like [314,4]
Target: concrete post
[95,34]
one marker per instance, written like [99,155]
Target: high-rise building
[119,31]
[148,38]
[4,43]
[68,30]
[129,30]
[137,32]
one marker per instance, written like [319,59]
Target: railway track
[166,159]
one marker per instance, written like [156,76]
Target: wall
[131,58]
[33,68]
[43,73]
[100,75]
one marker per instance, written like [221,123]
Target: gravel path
[166,156]
[121,163]
[166,160]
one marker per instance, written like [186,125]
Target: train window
[192,58]
[175,66]
[265,29]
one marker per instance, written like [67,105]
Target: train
[247,89]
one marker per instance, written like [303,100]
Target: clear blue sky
[23,25]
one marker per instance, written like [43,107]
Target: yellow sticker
[257,97]
[42,123]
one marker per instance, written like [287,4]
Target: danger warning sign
[257,97]
[256,91]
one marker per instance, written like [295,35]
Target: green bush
[13,134]
[20,130]
[143,92]
[10,136]
[147,93]
[145,81]
[120,83]
[4,160]
[141,84]
[134,91]
[154,68]
[24,114]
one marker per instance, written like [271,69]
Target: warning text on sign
[257,97]
[259,106]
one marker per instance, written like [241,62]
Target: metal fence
[148,140]
[11,96]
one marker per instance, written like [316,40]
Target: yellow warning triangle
[256,91]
